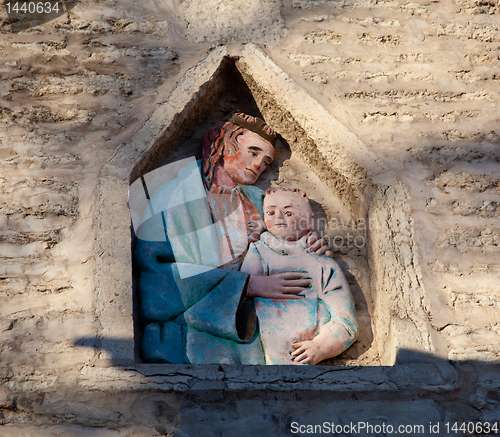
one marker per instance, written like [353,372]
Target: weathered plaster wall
[415,82]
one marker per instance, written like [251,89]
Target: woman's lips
[251,171]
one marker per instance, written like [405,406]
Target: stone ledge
[436,377]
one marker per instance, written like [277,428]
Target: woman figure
[192,294]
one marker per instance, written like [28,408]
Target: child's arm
[341,331]
[252,264]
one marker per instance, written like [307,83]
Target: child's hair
[280,189]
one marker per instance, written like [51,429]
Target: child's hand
[307,352]
[318,245]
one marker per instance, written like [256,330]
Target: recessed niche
[298,163]
[315,153]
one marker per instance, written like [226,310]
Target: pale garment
[327,305]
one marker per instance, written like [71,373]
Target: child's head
[287,213]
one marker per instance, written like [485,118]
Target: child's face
[287,215]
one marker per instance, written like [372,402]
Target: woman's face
[254,155]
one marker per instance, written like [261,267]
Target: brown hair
[255,125]
[216,141]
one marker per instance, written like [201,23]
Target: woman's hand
[318,245]
[280,286]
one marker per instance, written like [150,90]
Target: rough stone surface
[402,131]
[401,318]
[257,21]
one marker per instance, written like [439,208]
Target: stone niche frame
[342,160]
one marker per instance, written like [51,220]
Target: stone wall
[415,85]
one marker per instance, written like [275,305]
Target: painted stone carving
[321,323]
[195,303]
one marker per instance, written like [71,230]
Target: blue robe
[190,308]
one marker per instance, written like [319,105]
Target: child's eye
[269,212]
[288,213]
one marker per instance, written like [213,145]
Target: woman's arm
[279,286]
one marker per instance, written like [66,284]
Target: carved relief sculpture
[196,303]
[322,322]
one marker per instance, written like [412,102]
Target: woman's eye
[253,153]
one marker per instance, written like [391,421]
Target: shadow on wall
[419,392]
[114,347]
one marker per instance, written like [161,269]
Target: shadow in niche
[23,15]
[227,93]
[365,339]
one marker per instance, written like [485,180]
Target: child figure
[322,324]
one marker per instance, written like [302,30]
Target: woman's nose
[257,162]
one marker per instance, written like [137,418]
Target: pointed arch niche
[316,153]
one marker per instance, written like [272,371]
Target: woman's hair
[217,141]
